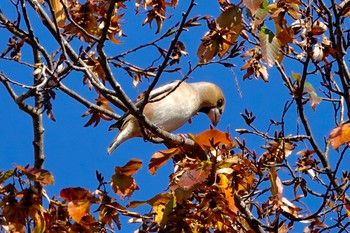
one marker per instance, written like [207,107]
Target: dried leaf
[122,182]
[58,10]
[160,158]
[252,5]
[346,206]
[131,167]
[314,99]
[340,135]
[79,202]
[193,176]
[207,52]
[156,200]
[44,177]
[276,184]
[230,20]
[71,194]
[212,138]
[318,28]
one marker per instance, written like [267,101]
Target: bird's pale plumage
[171,106]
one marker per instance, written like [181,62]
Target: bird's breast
[170,114]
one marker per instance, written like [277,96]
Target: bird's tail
[119,139]
[115,143]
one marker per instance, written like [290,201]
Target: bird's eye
[220,103]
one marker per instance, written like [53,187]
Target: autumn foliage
[283,175]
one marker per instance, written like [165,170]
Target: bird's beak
[214,115]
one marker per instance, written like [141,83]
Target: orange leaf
[42,176]
[276,183]
[347,206]
[131,167]
[58,10]
[160,158]
[227,191]
[79,202]
[122,182]
[340,135]
[162,198]
[78,209]
[212,138]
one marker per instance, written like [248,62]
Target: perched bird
[170,106]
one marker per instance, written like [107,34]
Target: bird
[172,105]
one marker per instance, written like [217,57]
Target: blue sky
[74,153]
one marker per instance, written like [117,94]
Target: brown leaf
[231,21]
[340,135]
[122,182]
[212,138]
[276,184]
[206,52]
[44,177]
[71,194]
[79,202]
[344,8]
[160,158]
[193,176]
[96,115]
[131,167]
[252,5]
[346,206]
[159,198]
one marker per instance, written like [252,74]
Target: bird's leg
[149,136]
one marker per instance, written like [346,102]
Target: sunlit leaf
[314,99]
[59,12]
[44,177]
[78,209]
[340,136]
[6,175]
[269,46]
[344,8]
[40,223]
[79,202]
[130,167]
[159,198]
[225,186]
[122,183]
[252,5]
[296,76]
[230,20]
[276,184]
[207,52]
[212,138]
[160,158]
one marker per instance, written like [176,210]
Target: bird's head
[212,101]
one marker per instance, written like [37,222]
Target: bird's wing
[163,90]
[155,95]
